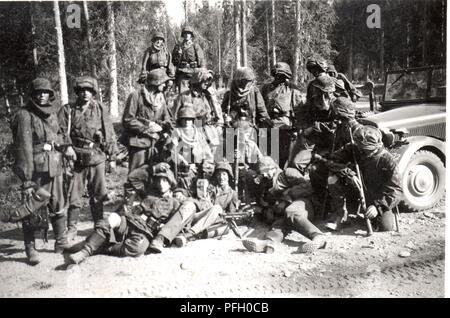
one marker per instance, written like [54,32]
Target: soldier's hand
[371,212]
[27,193]
[112,166]
[70,153]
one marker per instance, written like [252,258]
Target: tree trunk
[89,40]
[350,52]
[113,90]
[219,51]
[33,35]
[297,41]
[382,52]
[274,53]
[186,12]
[425,33]
[237,33]
[61,57]
[267,43]
[244,32]
[408,40]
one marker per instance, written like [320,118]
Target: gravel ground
[405,264]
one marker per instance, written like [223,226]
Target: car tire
[423,182]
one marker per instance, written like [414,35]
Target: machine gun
[245,213]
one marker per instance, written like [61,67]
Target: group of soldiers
[180,187]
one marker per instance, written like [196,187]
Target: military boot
[259,246]
[318,241]
[60,232]
[72,220]
[97,211]
[93,243]
[157,244]
[32,254]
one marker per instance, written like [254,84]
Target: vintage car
[413,117]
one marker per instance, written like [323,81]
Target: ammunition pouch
[47,159]
[89,153]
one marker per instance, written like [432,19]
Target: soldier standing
[94,142]
[282,100]
[145,115]
[157,57]
[344,87]
[202,98]
[38,164]
[188,57]
[244,101]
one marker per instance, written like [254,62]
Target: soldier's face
[222,178]
[41,97]
[180,196]
[163,185]
[322,101]
[187,122]
[187,36]
[85,95]
[158,43]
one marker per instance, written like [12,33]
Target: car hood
[408,116]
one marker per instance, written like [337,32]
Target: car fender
[416,143]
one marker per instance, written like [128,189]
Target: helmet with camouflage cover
[187,29]
[157,77]
[186,112]
[202,75]
[368,139]
[86,82]
[163,170]
[316,66]
[343,108]
[224,165]
[42,84]
[244,73]
[265,164]
[158,35]
[282,68]
[325,83]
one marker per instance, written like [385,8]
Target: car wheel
[423,182]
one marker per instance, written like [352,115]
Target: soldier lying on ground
[289,204]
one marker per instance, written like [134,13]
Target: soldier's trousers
[301,154]
[96,183]
[188,217]
[138,157]
[297,217]
[339,193]
[55,208]
[124,240]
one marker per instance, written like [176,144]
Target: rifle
[236,161]
[355,179]
[362,205]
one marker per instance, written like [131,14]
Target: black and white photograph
[223,149]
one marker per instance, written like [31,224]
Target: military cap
[186,112]
[265,164]
[187,29]
[368,138]
[325,83]
[158,35]
[244,73]
[344,108]
[42,84]
[163,170]
[157,77]
[282,68]
[316,64]
[202,75]
[86,82]
[224,165]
